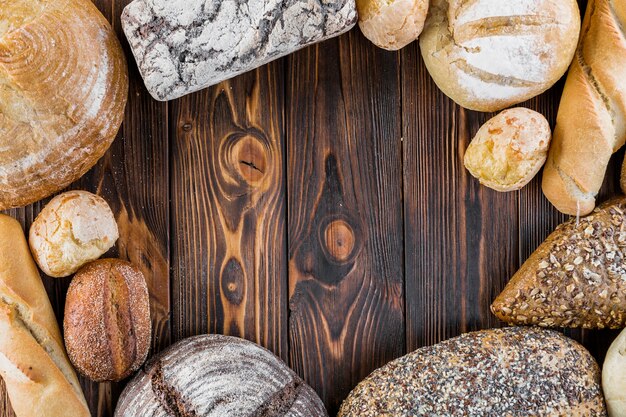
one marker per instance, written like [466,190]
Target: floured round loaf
[63,88]
[490,54]
[221,376]
[517,371]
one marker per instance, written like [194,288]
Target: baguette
[39,378]
[591,121]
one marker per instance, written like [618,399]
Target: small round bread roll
[107,320]
[509,149]
[218,376]
[490,54]
[392,24]
[74,228]
[614,377]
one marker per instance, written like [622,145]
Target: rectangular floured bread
[182,46]
[39,378]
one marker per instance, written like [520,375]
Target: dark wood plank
[133,177]
[460,238]
[228,210]
[345,229]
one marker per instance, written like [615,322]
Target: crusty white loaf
[490,54]
[39,378]
[614,377]
[392,24]
[63,89]
[591,121]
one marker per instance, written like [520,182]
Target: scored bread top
[214,375]
[63,89]
[502,372]
[489,54]
[576,278]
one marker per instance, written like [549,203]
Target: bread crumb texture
[501,372]
[73,228]
[509,149]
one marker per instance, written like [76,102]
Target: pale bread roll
[591,121]
[39,379]
[392,24]
[63,89]
[614,377]
[74,228]
[490,54]
[509,149]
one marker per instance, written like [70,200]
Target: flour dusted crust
[218,376]
[63,88]
[392,24]
[182,46]
[490,54]
[74,228]
[502,372]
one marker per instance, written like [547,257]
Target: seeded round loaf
[516,371]
[490,54]
[107,320]
[220,376]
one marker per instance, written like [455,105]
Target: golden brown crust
[39,378]
[591,121]
[488,57]
[576,278]
[63,89]
[107,320]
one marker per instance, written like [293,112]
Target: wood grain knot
[252,159]
[339,239]
[233,284]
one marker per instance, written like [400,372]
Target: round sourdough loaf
[63,88]
[516,371]
[221,376]
[490,54]
[392,24]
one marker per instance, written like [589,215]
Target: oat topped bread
[576,278]
[516,371]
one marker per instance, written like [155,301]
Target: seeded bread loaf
[220,376]
[489,54]
[39,379]
[515,371]
[576,278]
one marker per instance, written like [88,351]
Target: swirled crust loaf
[517,371]
[63,89]
[490,54]
[218,376]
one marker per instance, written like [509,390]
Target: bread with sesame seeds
[576,278]
[107,320]
[517,371]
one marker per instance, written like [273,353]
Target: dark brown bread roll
[107,320]
[218,376]
[517,371]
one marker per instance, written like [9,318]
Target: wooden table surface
[318,206]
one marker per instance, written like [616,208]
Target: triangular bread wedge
[576,278]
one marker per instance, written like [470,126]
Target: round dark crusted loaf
[516,371]
[213,375]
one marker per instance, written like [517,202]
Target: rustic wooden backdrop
[318,206]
